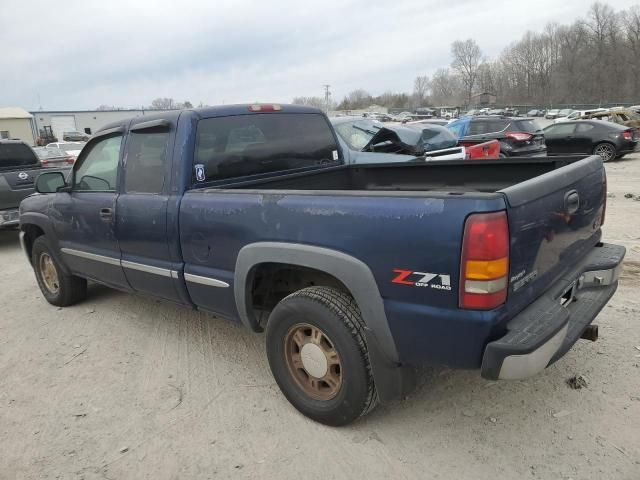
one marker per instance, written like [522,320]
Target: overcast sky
[78,55]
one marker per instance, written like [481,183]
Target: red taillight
[521,137]
[264,108]
[484,263]
[44,161]
[70,160]
[627,135]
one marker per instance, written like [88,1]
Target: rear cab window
[527,126]
[480,127]
[262,143]
[16,155]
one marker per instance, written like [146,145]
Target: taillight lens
[70,160]
[521,137]
[44,161]
[484,263]
[627,135]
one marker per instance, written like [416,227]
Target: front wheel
[318,355]
[606,151]
[58,288]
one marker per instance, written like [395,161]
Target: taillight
[521,137]
[627,135]
[484,263]
[264,108]
[44,161]
[70,160]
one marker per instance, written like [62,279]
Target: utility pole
[327,95]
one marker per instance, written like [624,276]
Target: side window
[561,129]
[145,162]
[99,169]
[584,127]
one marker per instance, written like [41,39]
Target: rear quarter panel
[417,234]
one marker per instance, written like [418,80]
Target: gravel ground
[125,387]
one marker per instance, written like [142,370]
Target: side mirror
[50,182]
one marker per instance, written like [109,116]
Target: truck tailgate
[554,220]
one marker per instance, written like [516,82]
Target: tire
[58,288]
[349,390]
[606,150]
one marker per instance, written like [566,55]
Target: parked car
[75,136]
[497,111]
[517,136]
[565,112]
[586,137]
[358,273]
[71,148]
[535,113]
[626,117]
[553,113]
[368,141]
[19,168]
[579,114]
[53,157]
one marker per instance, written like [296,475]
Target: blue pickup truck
[357,273]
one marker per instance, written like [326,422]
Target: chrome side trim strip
[146,268]
[212,282]
[91,256]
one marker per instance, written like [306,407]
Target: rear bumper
[547,329]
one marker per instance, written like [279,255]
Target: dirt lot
[126,387]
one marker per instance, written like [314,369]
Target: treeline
[594,60]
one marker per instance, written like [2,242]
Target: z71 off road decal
[422,279]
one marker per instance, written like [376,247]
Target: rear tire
[58,288]
[605,150]
[318,355]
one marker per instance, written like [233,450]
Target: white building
[85,121]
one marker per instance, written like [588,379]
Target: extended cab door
[142,211]
[84,218]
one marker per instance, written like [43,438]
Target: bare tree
[162,103]
[466,60]
[421,87]
[310,102]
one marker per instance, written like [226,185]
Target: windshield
[358,134]
[50,152]
[437,138]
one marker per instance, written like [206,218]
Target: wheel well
[268,283]
[31,232]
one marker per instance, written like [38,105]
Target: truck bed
[448,177]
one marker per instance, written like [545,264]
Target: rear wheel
[605,150]
[318,355]
[57,287]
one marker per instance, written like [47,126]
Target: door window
[145,163]
[584,128]
[99,169]
[560,129]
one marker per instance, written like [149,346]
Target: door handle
[105,213]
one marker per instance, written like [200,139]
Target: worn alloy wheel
[59,287]
[49,273]
[313,361]
[605,150]
[318,355]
